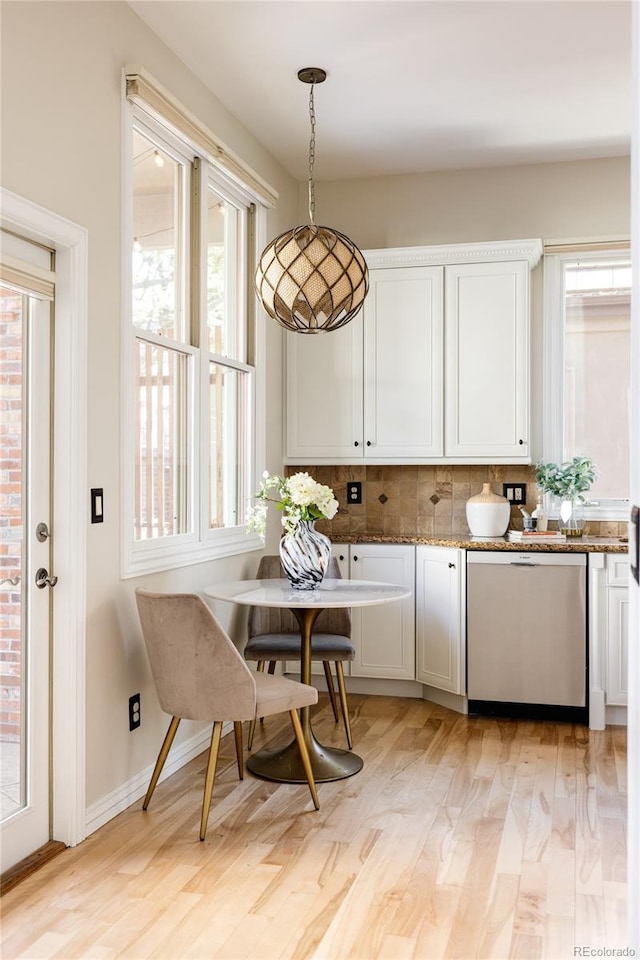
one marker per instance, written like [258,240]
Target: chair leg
[304,754]
[330,690]
[342,690]
[216,734]
[237,729]
[162,756]
[252,723]
[272,667]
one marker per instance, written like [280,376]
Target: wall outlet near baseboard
[134,711]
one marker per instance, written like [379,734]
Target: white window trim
[553,366]
[167,553]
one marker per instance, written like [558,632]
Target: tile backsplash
[424,501]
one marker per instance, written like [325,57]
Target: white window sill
[168,554]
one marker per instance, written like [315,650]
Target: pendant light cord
[312,157]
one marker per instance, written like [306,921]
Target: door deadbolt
[42,532]
[43,579]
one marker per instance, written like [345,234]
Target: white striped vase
[305,556]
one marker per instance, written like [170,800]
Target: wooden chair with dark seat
[274,636]
[200,675]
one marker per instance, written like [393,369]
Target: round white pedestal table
[283,763]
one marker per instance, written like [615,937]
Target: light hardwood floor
[460,838]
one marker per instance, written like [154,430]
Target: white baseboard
[133,789]
[616,715]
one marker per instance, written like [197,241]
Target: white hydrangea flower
[299,496]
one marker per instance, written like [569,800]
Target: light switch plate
[97,505]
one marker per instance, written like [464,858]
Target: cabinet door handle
[451,565]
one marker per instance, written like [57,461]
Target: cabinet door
[617,646]
[403,360]
[487,361]
[384,634]
[440,617]
[324,395]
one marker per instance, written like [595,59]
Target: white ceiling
[413,85]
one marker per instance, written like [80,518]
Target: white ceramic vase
[488,514]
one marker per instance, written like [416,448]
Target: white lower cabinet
[384,634]
[440,618]
[608,638]
[617,627]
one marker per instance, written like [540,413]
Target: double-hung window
[587,369]
[191,357]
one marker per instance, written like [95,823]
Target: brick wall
[11,498]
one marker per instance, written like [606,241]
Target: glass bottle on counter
[540,516]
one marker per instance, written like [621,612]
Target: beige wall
[554,201]
[550,201]
[61,148]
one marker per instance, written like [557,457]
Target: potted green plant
[568,481]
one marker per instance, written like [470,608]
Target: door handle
[43,579]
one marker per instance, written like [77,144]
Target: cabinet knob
[355,443]
[451,565]
[368,443]
[521,442]
[355,558]
[340,557]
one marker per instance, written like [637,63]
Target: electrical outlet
[354,491]
[516,493]
[134,711]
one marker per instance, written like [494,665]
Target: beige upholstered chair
[274,635]
[199,675]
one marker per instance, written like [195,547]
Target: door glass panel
[162,483]
[13,700]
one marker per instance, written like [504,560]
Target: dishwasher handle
[523,563]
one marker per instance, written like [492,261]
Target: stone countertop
[467,542]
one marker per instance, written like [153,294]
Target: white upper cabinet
[324,395]
[487,361]
[403,317]
[435,368]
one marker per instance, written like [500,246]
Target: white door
[26,550]
[403,360]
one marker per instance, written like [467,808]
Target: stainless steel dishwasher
[527,634]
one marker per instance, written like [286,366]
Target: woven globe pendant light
[312,279]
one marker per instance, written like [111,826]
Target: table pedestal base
[284,765]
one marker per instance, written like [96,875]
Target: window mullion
[199,335]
